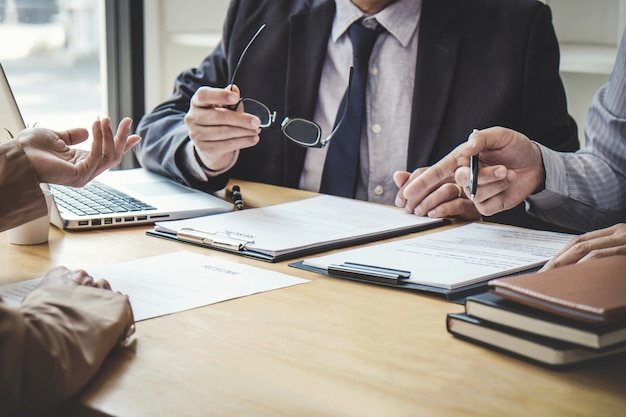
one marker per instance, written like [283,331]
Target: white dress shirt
[389,96]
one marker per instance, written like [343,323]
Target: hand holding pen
[511,168]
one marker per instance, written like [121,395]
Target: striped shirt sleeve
[586,190]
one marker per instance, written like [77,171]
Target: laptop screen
[11,122]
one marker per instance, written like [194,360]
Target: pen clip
[213,239]
[372,273]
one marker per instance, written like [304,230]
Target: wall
[589,32]
[179,34]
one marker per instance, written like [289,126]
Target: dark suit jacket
[480,63]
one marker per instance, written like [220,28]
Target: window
[54,60]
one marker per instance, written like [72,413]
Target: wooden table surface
[325,348]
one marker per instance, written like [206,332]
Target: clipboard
[295,229]
[454,262]
[379,277]
[222,242]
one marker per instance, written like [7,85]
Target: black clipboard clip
[369,273]
[221,239]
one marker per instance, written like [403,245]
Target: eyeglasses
[300,131]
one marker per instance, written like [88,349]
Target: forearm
[582,192]
[56,342]
[21,199]
[164,137]
[165,150]
[164,134]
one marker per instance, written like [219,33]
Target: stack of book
[557,317]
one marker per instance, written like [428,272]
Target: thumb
[400,178]
[73,136]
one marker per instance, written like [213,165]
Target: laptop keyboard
[96,198]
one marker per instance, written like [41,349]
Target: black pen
[473,176]
[237,198]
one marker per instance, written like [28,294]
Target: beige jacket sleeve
[21,199]
[55,342]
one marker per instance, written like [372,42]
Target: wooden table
[326,348]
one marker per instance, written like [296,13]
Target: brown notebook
[592,292]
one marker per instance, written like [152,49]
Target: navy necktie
[341,169]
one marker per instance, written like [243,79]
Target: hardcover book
[592,291]
[498,310]
[527,345]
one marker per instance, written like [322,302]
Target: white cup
[35,231]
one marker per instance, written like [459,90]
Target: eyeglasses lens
[302,131]
[257,109]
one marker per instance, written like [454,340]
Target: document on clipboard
[455,262]
[298,228]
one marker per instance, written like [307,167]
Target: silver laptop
[114,198]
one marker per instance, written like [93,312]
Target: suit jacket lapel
[437,53]
[308,38]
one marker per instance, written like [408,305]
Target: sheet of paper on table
[174,282]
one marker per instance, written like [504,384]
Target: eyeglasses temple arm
[232,79]
[343,114]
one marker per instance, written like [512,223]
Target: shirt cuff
[197,168]
[556,189]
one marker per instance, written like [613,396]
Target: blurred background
[51,53]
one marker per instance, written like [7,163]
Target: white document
[457,256]
[310,223]
[174,282]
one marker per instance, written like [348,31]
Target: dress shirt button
[376,128]
[370,23]
[379,190]
[374,70]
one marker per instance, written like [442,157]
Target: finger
[130,142]
[59,275]
[580,247]
[102,283]
[96,142]
[400,178]
[209,97]
[606,233]
[446,192]
[210,146]
[81,277]
[494,195]
[604,253]
[121,137]
[86,280]
[412,200]
[234,88]
[109,150]
[220,117]
[73,136]
[219,135]
[486,175]
[439,172]
[493,205]
[460,208]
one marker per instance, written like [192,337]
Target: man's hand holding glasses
[217,132]
[221,122]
